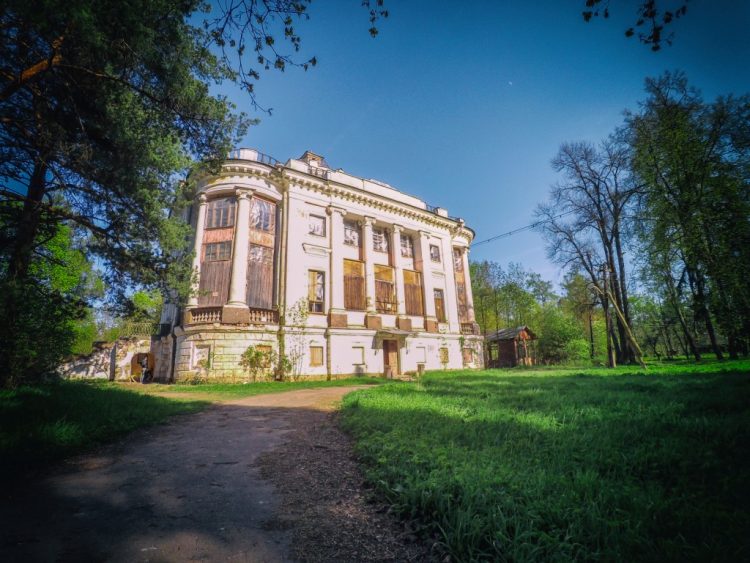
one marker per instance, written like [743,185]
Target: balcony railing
[202,315]
[319,172]
[470,328]
[205,315]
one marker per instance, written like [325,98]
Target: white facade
[382,279]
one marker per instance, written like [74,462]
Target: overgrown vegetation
[551,464]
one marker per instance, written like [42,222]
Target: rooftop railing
[252,154]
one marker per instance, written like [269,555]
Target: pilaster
[200,226]
[398,269]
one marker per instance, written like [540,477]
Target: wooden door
[390,355]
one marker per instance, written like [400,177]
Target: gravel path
[216,485]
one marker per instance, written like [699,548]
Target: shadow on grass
[581,466]
[39,425]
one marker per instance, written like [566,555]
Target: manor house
[341,274]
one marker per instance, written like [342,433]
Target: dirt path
[189,490]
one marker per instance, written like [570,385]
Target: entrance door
[390,356]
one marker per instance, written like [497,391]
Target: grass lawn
[564,464]
[42,424]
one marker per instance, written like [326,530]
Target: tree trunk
[28,224]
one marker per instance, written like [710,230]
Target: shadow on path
[188,490]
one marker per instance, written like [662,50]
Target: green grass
[559,465]
[43,424]
[223,391]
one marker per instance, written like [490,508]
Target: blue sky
[464,104]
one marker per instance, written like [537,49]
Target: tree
[594,199]
[104,107]
[693,159]
[650,17]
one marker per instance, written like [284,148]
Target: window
[316,356]
[317,226]
[421,353]
[216,251]
[434,253]
[316,291]
[354,285]
[458,260]
[439,305]
[351,233]
[385,289]
[407,246]
[379,239]
[262,215]
[259,276]
[220,213]
[266,351]
[444,356]
[413,292]
[468,356]
[358,355]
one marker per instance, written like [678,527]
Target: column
[367,253]
[200,226]
[451,302]
[238,281]
[398,270]
[467,281]
[426,267]
[337,262]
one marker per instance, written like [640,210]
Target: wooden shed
[510,347]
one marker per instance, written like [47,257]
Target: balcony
[205,315]
[470,328]
[252,154]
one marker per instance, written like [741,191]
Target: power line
[521,229]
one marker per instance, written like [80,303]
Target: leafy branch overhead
[248,33]
[652,20]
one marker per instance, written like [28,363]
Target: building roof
[510,333]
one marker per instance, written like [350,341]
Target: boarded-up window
[216,267]
[460,275]
[413,292]
[220,213]
[262,215]
[351,233]
[440,305]
[316,291]
[434,253]
[316,356]
[260,276]
[407,246]
[468,356]
[444,356]
[380,239]
[354,285]
[317,225]
[385,289]
[458,260]
[215,251]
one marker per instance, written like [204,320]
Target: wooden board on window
[217,235]
[261,238]
[260,277]
[213,289]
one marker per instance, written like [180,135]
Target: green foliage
[257,362]
[693,160]
[560,337]
[562,465]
